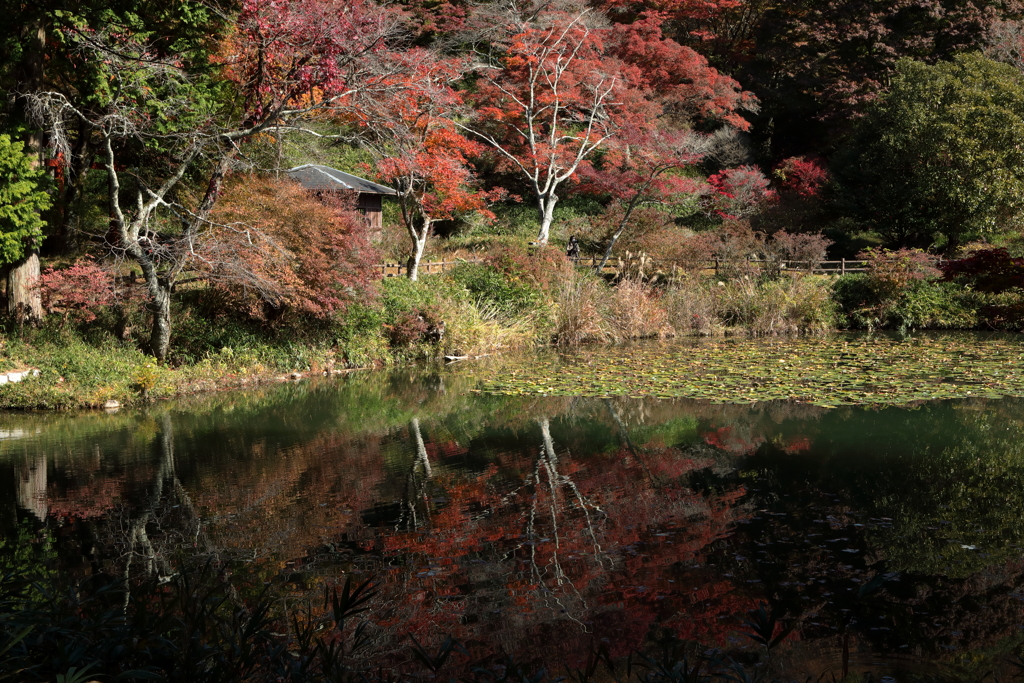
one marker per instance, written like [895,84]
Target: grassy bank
[513,300]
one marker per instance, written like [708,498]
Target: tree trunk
[78,168]
[419,241]
[622,228]
[160,338]
[599,268]
[421,449]
[549,445]
[24,302]
[32,72]
[546,207]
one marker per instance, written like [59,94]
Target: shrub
[544,267]
[691,306]
[280,250]
[920,304]
[808,249]
[415,327]
[509,293]
[890,272]
[897,292]
[999,310]
[787,305]
[988,270]
[693,253]
[792,304]
[802,176]
[359,336]
[477,327]
[78,291]
[739,192]
[652,230]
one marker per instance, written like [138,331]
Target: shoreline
[43,392]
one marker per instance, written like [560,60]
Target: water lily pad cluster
[821,371]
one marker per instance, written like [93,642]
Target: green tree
[938,161]
[41,49]
[22,200]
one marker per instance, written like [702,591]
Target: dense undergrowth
[89,353]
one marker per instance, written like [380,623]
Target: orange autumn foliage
[276,249]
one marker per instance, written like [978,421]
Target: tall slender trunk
[78,169]
[546,208]
[627,213]
[599,268]
[31,482]
[23,298]
[419,242]
[421,449]
[549,443]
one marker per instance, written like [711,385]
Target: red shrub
[988,270]
[543,267]
[78,290]
[802,175]
[739,192]
[804,248]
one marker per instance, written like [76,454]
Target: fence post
[842,270]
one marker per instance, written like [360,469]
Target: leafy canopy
[938,161]
[22,200]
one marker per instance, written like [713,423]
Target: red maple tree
[553,99]
[420,150]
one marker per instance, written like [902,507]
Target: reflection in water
[32,486]
[538,526]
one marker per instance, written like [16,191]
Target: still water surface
[889,539]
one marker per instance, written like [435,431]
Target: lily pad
[822,371]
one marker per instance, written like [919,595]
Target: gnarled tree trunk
[24,302]
[160,337]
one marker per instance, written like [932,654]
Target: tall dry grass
[746,305]
[634,310]
[579,300]
[589,310]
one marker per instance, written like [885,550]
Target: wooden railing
[716,266]
[840,267]
[426,268]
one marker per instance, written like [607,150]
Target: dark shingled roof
[314,177]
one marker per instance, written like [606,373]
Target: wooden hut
[323,179]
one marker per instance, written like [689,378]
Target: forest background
[145,214]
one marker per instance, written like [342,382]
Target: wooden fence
[426,268]
[716,266]
[840,267]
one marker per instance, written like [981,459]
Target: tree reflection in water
[538,527]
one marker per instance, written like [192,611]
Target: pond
[885,540]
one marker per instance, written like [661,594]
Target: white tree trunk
[547,215]
[419,241]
